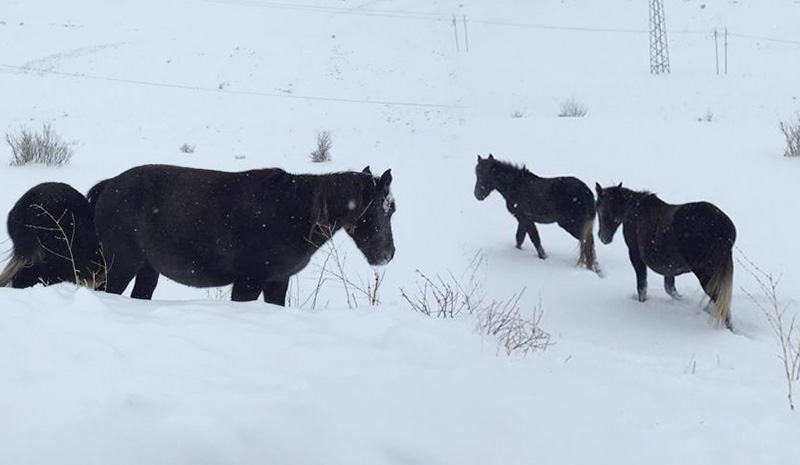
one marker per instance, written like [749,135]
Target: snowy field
[189,378]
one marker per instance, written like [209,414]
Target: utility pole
[659,54]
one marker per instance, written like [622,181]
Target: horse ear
[366,170]
[619,185]
[386,179]
[598,189]
[491,157]
[479,158]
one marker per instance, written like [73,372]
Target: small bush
[323,151]
[45,147]
[516,114]
[791,131]
[503,320]
[187,148]
[572,108]
[708,117]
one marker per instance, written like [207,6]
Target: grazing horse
[532,199]
[253,229]
[52,229]
[672,240]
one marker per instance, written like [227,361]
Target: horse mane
[507,167]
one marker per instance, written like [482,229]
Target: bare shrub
[323,151]
[219,293]
[791,131]
[187,148]
[572,108]
[516,114]
[45,147]
[783,326]
[502,319]
[515,332]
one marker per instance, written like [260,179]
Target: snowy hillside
[189,378]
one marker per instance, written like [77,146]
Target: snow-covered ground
[89,378]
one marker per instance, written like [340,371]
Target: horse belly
[191,265]
[674,268]
[665,259]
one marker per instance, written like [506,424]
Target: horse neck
[336,192]
[509,178]
[637,202]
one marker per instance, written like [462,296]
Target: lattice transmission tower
[659,54]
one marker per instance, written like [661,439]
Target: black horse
[52,229]
[672,240]
[254,229]
[532,199]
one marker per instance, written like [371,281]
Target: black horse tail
[720,287]
[588,257]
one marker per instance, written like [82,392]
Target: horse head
[611,207]
[370,226]
[484,173]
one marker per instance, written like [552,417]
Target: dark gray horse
[531,199]
[672,240]
[253,229]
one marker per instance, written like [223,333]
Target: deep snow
[92,378]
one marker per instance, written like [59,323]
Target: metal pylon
[659,54]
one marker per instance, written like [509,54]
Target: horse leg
[121,270]
[146,280]
[246,289]
[534,235]
[275,291]
[669,286]
[520,234]
[641,273]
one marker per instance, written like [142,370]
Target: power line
[419,15]
[27,70]
[768,39]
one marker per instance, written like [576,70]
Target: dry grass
[45,147]
[503,320]
[791,132]
[572,108]
[783,325]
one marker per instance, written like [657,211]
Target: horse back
[702,227]
[557,199]
[185,219]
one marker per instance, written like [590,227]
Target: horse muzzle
[382,259]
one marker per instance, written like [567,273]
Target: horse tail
[18,262]
[720,287]
[12,268]
[588,258]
